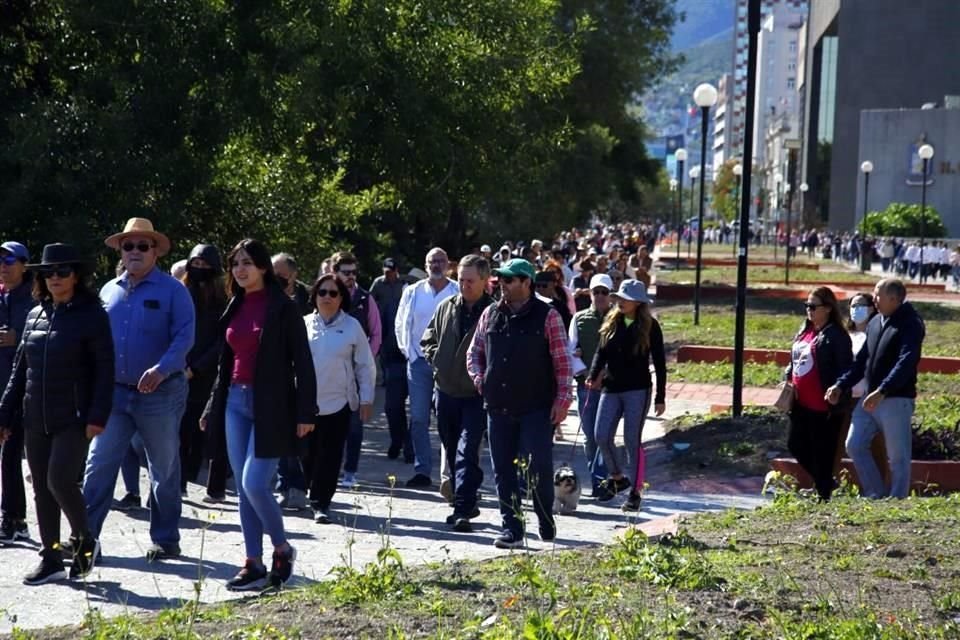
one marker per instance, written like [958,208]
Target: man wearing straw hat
[152,320]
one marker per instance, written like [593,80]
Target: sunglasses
[323,293]
[142,247]
[543,285]
[60,272]
[9,260]
[601,292]
[810,307]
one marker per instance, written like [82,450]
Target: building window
[793,46]
[791,83]
[791,66]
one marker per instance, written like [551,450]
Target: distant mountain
[704,19]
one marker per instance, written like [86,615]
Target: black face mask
[197,274]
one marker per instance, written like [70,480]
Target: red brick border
[704,353]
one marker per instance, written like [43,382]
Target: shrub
[903,220]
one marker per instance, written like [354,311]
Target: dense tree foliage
[385,125]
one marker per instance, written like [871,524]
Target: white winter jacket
[346,372]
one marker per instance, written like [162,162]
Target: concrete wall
[886,138]
[893,54]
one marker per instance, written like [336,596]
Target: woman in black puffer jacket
[63,379]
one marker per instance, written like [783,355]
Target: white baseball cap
[601,280]
[486,249]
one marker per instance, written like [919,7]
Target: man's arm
[401,324]
[430,341]
[854,374]
[477,353]
[562,365]
[907,359]
[182,321]
[375,326]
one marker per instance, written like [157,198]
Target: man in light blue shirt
[152,319]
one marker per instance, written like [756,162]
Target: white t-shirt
[416,308]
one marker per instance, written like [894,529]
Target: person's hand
[578,352]
[189,373]
[832,395]
[558,414]
[366,412]
[203,423]
[659,408]
[8,337]
[150,380]
[871,400]
[93,431]
[304,429]
[4,434]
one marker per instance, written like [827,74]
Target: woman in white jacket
[345,382]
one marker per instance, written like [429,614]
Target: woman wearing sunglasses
[63,379]
[264,399]
[340,348]
[821,352]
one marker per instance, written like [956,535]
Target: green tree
[905,220]
[725,190]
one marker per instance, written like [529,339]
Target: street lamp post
[804,187]
[866,167]
[694,174]
[926,153]
[738,173]
[786,271]
[777,180]
[705,95]
[681,156]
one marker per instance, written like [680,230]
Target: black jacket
[834,353]
[207,343]
[284,385]
[63,375]
[629,371]
[889,357]
[13,314]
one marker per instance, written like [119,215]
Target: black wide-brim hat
[58,254]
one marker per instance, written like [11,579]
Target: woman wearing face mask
[862,310]
[204,280]
[821,352]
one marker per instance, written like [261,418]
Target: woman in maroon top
[263,401]
[821,352]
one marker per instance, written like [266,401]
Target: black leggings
[55,464]
[321,466]
[813,442]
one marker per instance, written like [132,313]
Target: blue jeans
[461,422]
[259,512]
[529,436]
[892,417]
[632,406]
[587,403]
[420,384]
[133,459]
[394,404]
[354,443]
[155,417]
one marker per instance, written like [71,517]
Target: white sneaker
[349,480]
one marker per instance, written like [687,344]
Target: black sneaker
[508,540]
[548,531]
[214,498]
[321,516]
[452,518]
[12,530]
[128,502]
[85,558]
[46,571]
[157,552]
[610,488]
[282,569]
[251,577]
[393,452]
[632,503]
[462,525]
[419,481]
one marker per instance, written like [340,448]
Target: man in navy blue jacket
[888,361]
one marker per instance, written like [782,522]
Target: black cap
[390,263]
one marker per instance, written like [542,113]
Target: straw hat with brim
[140,227]
[55,255]
[634,291]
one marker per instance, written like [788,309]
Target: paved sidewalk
[413,519]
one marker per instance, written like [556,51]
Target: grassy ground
[849,569]
[728,275]
[772,324]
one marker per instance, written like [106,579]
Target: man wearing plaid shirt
[520,364]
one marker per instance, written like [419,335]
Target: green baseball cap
[516,268]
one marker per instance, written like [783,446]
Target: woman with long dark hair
[821,352]
[63,379]
[630,337]
[264,399]
[204,280]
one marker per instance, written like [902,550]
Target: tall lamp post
[673,202]
[694,174]
[926,153]
[705,95]
[786,271]
[738,173]
[777,181]
[866,167]
[804,187]
[681,157]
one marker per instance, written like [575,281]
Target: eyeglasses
[323,293]
[347,272]
[142,247]
[601,292]
[60,272]
[810,307]
[9,260]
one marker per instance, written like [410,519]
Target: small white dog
[566,490]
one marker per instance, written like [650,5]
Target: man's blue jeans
[530,436]
[155,417]
[461,422]
[587,403]
[259,511]
[892,416]
[394,404]
[420,384]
